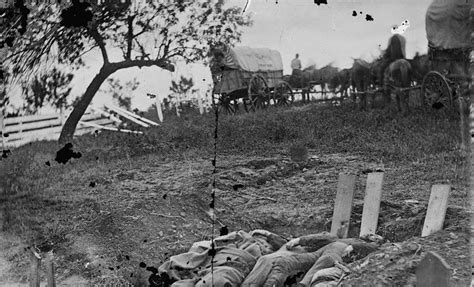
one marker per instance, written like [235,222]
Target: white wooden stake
[177,105]
[436,210]
[2,126]
[61,115]
[158,108]
[343,205]
[370,212]
[201,108]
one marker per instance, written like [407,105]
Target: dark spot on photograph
[319,2]
[66,153]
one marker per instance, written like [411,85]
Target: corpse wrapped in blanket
[262,258]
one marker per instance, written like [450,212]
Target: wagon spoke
[226,106]
[283,95]
[258,93]
[436,90]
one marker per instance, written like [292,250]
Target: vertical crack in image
[235,143]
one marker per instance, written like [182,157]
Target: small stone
[182,214]
[161,233]
[298,153]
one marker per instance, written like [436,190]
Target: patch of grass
[329,129]
[44,203]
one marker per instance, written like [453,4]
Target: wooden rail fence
[18,131]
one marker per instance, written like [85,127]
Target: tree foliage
[151,33]
[155,32]
[52,88]
[183,86]
[122,93]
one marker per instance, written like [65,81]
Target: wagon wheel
[227,106]
[436,90]
[257,96]
[283,94]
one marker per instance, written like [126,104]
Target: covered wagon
[448,30]
[252,76]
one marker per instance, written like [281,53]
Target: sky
[320,34]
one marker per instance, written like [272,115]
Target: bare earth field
[132,199]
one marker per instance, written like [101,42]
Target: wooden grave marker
[373,194]
[50,270]
[343,205]
[472,203]
[35,262]
[433,271]
[436,211]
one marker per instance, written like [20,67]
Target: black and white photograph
[220,143]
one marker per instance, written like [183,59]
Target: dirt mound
[395,263]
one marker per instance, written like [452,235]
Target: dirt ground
[149,209]
[111,212]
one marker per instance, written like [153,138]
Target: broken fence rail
[18,131]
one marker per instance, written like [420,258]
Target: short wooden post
[471,188]
[35,259]
[471,123]
[61,116]
[158,109]
[178,105]
[2,127]
[373,194]
[50,269]
[436,209]
[462,124]
[201,108]
[343,205]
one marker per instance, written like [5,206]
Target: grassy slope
[94,229]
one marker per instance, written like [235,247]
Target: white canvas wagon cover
[448,25]
[253,59]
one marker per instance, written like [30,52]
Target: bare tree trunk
[70,125]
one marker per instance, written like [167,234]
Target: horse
[395,51]
[296,81]
[341,80]
[323,76]
[398,74]
[303,80]
[420,65]
[361,76]
[310,77]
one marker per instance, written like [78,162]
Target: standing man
[296,64]
[296,75]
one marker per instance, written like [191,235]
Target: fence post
[2,127]
[177,105]
[61,116]
[158,109]
[201,108]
